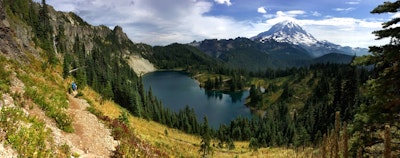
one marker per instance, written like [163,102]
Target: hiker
[73,86]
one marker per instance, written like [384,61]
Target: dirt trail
[91,138]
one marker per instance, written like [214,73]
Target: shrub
[52,103]
[25,134]
[4,76]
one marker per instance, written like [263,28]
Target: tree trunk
[336,135]
[345,141]
[388,138]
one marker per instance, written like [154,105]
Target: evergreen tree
[383,106]
[66,65]
[44,21]
[124,118]
[107,91]
[253,145]
[136,105]
[230,144]
[337,96]
[345,141]
[205,147]
[385,85]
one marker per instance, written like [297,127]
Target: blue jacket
[74,87]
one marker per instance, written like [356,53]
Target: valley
[281,93]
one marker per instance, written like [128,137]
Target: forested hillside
[93,56]
[303,103]
[97,57]
[252,56]
[183,57]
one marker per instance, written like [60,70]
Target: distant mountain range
[285,44]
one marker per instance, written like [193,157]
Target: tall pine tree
[384,86]
[205,147]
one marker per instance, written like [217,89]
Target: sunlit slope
[178,144]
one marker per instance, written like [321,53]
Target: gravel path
[91,138]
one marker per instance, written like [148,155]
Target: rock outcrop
[8,46]
[68,31]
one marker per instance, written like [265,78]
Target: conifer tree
[205,148]
[66,65]
[345,141]
[336,135]
[253,144]
[383,87]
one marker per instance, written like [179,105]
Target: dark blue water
[176,90]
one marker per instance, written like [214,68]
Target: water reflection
[214,94]
[235,97]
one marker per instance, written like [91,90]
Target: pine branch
[386,7]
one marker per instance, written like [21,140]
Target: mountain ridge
[286,31]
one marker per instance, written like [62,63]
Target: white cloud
[291,13]
[261,10]
[227,2]
[396,15]
[344,9]
[163,22]
[158,22]
[315,13]
[296,12]
[354,2]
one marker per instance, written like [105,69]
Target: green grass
[26,134]
[46,89]
[4,76]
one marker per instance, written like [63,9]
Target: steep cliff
[8,45]
[19,34]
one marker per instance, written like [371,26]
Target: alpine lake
[176,90]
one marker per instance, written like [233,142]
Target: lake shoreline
[176,89]
[199,81]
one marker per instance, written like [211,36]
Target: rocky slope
[68,30]
[8,46]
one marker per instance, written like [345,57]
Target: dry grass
[179,144]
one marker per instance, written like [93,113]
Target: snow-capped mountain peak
[292,33]
[287,31]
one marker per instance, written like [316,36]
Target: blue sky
[161,22]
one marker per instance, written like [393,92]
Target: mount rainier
[292,33]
